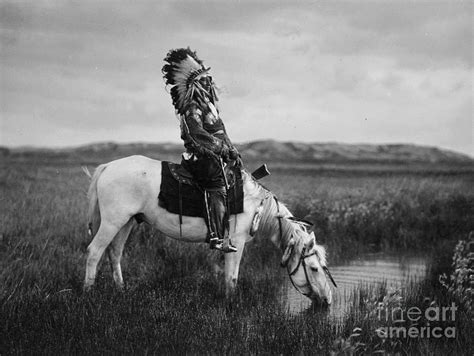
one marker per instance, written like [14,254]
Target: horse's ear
[312,240]
[304,222]
[280,215]
[286,255]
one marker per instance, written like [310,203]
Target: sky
[76,72]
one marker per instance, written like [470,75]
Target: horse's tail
[93,214]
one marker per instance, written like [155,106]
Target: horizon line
[36,147]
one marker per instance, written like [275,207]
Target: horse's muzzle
[323,302]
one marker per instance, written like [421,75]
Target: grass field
[174,302]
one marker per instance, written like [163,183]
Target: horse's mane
[272,208]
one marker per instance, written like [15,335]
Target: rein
[301,262]
[279,217]
[302,256]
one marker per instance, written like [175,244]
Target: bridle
[301,260]
[303,255]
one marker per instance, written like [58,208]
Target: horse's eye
[315,269]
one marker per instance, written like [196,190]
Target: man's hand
[224,152]
[233,154]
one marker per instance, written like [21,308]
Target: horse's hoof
[87,288]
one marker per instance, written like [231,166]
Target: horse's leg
[115,250]
[101,240]
[232,263]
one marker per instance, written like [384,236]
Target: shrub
[460,282]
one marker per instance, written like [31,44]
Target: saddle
[180,194]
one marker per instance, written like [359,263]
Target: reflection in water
[395,271]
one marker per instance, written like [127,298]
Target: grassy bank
[380,212]
[174,302]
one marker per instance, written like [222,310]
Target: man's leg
[218,217]
[208,173]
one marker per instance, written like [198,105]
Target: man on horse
[208,148]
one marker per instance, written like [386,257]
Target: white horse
[125,188]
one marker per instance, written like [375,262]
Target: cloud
[310,71]
[414,34]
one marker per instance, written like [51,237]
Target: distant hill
[339,152]
[257,151]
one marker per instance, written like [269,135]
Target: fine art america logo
[417,323]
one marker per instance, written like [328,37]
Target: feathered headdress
[185,71]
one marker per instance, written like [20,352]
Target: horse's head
[306,264]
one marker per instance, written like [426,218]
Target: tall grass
[174,301]
[380,212]
[460,282]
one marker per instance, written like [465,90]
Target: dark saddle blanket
[179,194]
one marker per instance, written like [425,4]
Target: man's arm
[233,153]
[201,140]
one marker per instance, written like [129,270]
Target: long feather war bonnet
[184,71]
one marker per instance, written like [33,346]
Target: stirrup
[215,239]
[227,249]
[213,242]
[212,238]
[224,247]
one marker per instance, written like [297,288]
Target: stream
[367,270]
